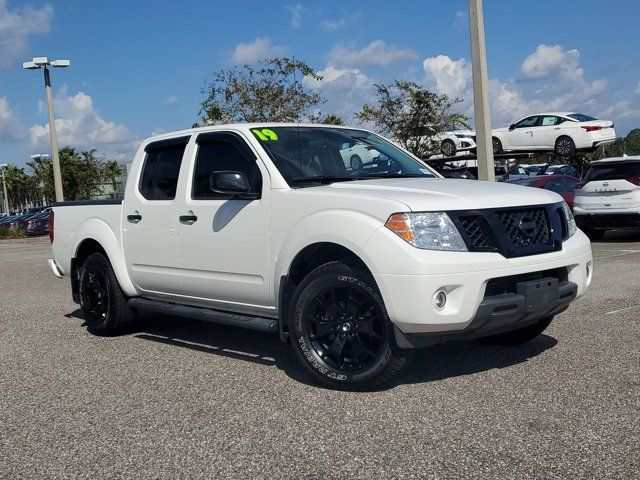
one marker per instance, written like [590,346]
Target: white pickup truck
[266,227]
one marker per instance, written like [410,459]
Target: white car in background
[561,132]
[454,141]
[356,154]
[609,196]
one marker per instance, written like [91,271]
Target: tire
[448,148]
[497,146]
[594,235]
[565,147]
[340,329]
[520,336]
[356,162]
[103,303]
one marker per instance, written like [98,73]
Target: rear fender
[100,231]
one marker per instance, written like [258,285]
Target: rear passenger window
[159,178]
[218,152]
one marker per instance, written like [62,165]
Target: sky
[137,68]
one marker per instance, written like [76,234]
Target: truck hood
[441,194]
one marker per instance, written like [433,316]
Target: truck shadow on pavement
[427,365]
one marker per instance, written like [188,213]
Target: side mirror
[512,126]
[235,184]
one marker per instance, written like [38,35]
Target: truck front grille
[512,232]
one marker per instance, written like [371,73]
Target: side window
[527,122]
[223,152]
[549,121]
[159,178]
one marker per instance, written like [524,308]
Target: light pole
[481,107]
[44,63]
[4,188]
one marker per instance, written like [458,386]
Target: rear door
[224,247]
[546,133]
[611,187]
[150,223]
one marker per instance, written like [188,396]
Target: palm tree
[112,170]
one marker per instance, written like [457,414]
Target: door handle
[134,218]
[188,219]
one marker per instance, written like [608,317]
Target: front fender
[343,227]
[100,231]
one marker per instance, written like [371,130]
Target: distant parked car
[561,170]
[563,185]
[355,154]
[561,132]
[451,141]
[39,224]
[609,196]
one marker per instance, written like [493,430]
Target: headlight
[430,231]
[571,222]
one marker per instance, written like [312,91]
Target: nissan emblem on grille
[527,226]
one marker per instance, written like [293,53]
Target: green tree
[21,189]
[412,115]
[271,91]
[111,171]
[332,119]
[82,174]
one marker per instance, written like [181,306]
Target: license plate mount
[540,294]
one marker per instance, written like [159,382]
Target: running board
[207,314]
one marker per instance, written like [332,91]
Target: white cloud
[296,15]
[550,60]
[461,20]
[79,125]
[346,90]
[448,76]
[376,53]
[172,101]
[330,26]
[15,28]
[11,128]
[259,49]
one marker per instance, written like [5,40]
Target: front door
[150,224]
[522,135]
[224,242]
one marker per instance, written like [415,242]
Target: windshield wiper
[397,175]
[322,179]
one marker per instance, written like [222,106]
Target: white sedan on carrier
[563,133]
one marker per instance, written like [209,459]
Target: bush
[11,233]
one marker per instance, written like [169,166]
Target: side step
[207,314]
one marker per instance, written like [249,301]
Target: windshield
[613,171]
[581,117]
[307,155]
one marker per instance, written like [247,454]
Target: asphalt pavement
[179,398]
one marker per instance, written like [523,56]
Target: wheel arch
[96,236]
[306,260]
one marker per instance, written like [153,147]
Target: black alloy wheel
[341,331]
[345,329]
[103,302]
[356,162]
[95,296]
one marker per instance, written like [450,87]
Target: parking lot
[177,398]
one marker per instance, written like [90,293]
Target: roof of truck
[244,126]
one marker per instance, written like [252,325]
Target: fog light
[440,299]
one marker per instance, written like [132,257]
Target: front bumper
[603,221]
[415,276]
[497,314]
